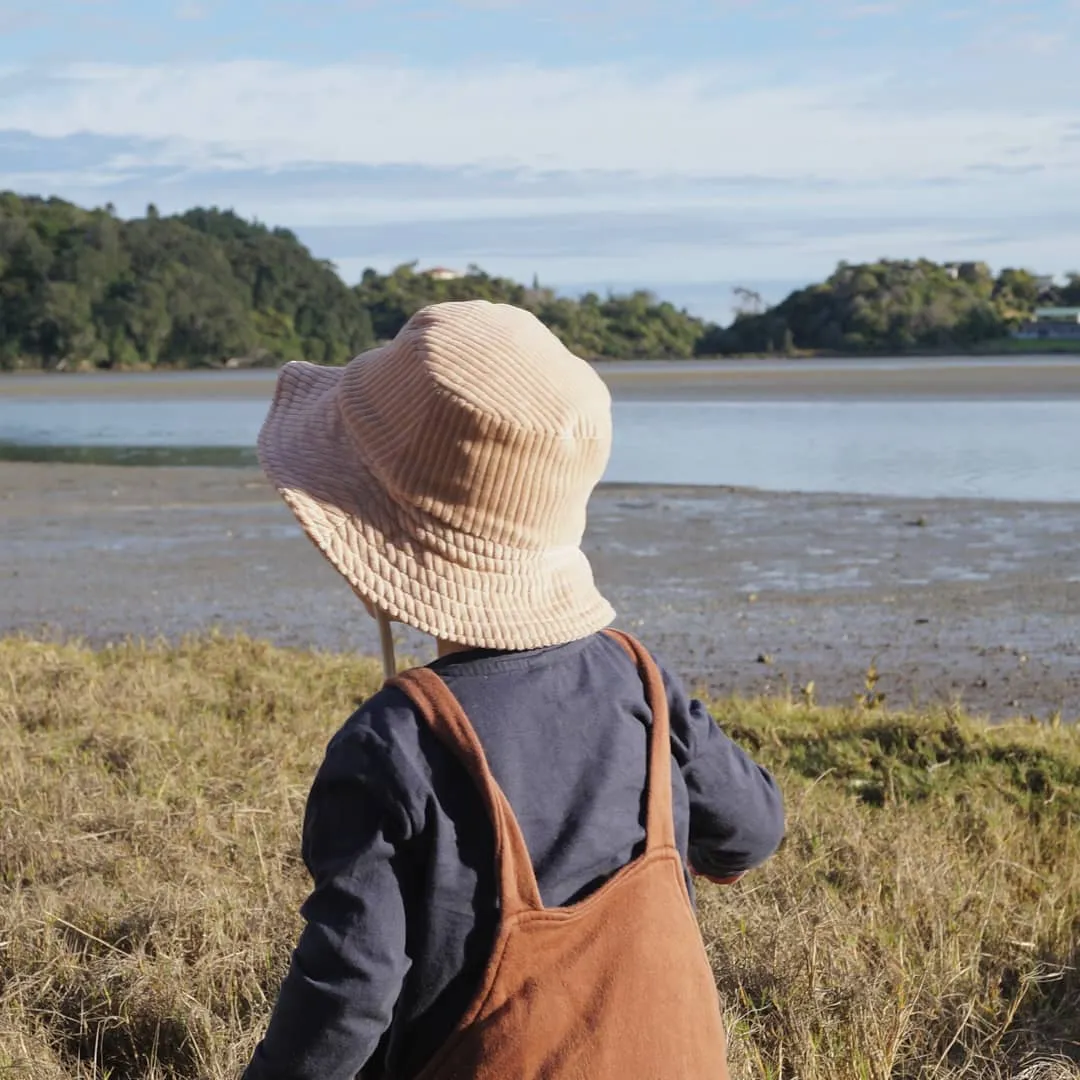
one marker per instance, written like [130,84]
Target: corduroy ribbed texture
[446,475]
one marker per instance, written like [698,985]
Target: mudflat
[739,591]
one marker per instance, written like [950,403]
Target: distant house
[1052,324]
[967,271]
[441,273]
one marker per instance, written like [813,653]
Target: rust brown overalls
[616,987]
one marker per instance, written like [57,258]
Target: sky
[685,146]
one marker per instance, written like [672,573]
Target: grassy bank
[921,920]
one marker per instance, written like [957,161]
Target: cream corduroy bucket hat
[446,474]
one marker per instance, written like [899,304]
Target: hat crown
[479,418]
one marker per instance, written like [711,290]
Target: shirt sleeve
[736,810]
[347,971]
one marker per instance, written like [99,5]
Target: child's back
[565,732]
[401,844]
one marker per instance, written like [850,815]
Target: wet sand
[741,591]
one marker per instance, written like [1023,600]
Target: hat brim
[426,578]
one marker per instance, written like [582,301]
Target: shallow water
[986,448]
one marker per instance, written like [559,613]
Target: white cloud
[191,12]
[269,115]
[943,157]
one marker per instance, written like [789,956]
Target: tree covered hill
[86,289]
[83,288]
[895,306]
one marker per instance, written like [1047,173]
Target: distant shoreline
[1006,349]
[947,377]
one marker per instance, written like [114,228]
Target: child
[499,842]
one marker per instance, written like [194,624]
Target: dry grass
[921,920]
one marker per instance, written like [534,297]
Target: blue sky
[683,145]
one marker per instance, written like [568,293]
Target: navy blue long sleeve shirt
[404,910]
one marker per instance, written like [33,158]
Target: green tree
[80,288]
[1016,291]
[887,306]
[1070,294]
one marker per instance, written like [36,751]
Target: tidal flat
[928,602]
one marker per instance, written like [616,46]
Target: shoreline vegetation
[87,290]
[921,919]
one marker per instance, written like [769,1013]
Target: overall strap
[518,890]
[659,814]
